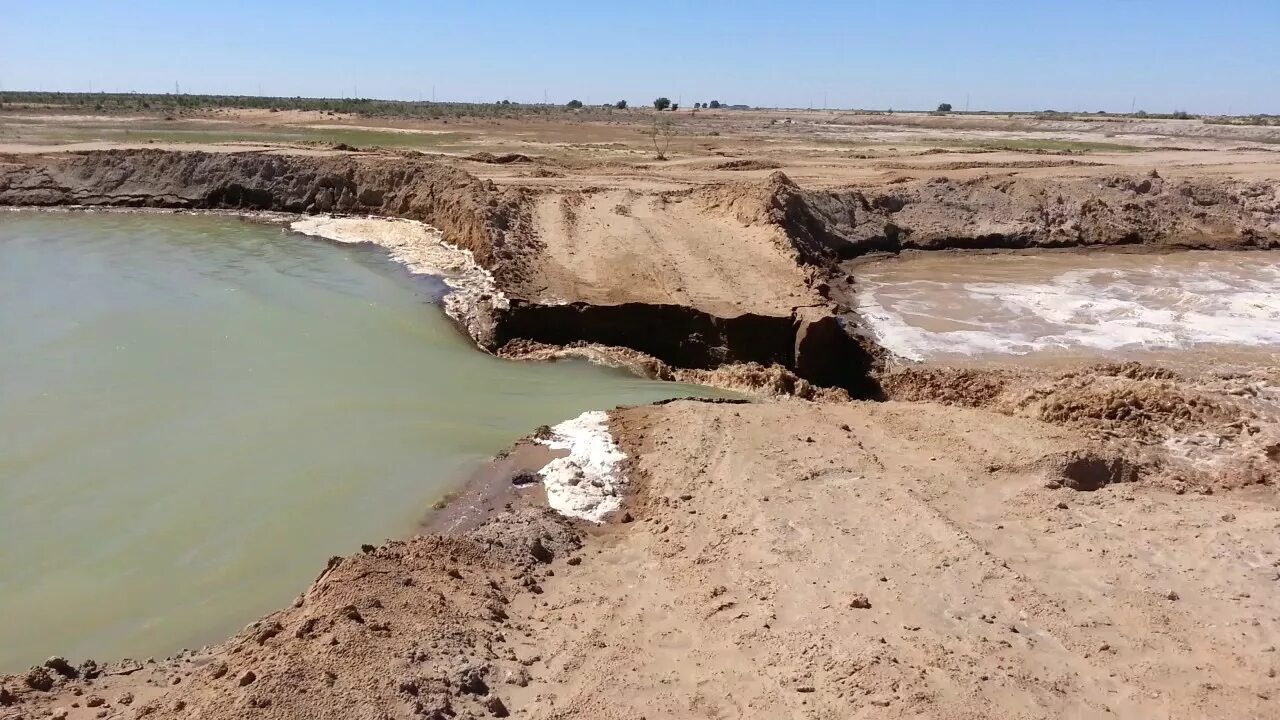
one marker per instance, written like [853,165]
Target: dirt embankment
[421,628]
[777,559]
[473,214]
[1204,433]
[1006,212]
[551,269]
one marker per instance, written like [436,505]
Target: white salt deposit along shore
[423,250]
[588,482]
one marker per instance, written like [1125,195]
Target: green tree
[574,104]
[662,103]
[621,104]
[715,105]
[944,107]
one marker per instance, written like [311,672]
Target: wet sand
[507,481]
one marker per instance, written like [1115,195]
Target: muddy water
[195,412]
[956,307]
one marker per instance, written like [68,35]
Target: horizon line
[724,105]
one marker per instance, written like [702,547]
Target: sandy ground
[624,246]
[816,147]
[762,529]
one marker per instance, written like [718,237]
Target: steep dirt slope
[473,213]
[1011,212]
[616,246]
[410,629]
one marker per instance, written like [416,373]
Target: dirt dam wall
[494,223]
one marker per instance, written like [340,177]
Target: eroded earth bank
[951,543]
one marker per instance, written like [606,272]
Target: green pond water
[195,412]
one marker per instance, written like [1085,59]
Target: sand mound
[503,159]
[1129,400]
[417,628]
[1143,408]
[949,386]
[747,164]
[1191,432]
[1087,470]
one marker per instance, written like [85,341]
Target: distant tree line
[178,103]
[172,103]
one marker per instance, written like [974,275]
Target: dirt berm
[722,274]
[551,287]
[1010,212]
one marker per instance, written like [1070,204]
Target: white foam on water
[908,341]
[588,482]
[1167,304]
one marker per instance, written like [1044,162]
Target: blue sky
[1087,55]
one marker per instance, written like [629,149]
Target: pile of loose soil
[1122,399]
[503,159]
[416,628]
[1146,408]
[1208,432]
[747,164]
